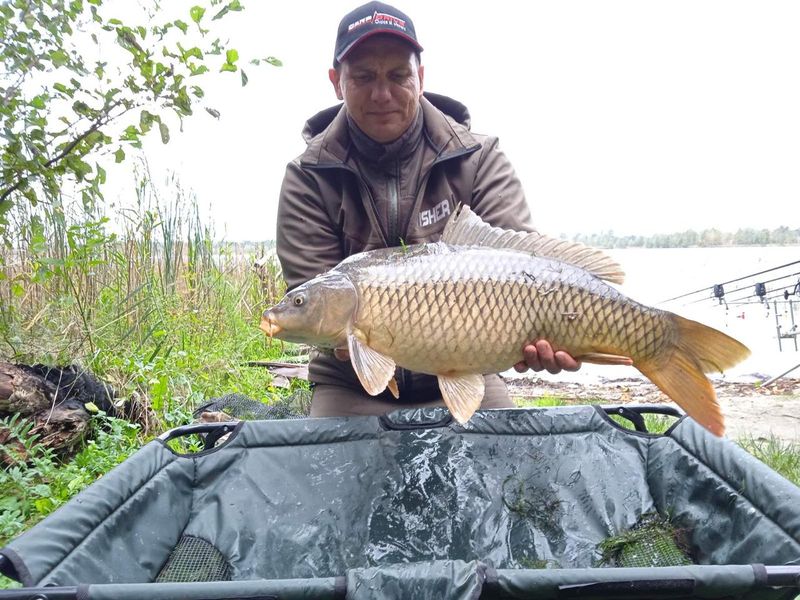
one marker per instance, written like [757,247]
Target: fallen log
[54,400]
[23,391]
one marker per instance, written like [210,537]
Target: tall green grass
[145,299]
[148,301]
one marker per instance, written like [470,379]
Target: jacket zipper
[393,193]
[393,210]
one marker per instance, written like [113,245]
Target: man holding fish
[387,168]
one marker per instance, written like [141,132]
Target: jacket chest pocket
[357,229]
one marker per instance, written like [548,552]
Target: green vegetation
[706,238]
[540,402]
[144,298]
[35,487]
[79,86]
[781,456]
[158,311]
[653,423]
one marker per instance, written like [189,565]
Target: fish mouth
[269,326]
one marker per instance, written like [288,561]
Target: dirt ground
[750,410]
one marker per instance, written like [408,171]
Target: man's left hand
[540,356]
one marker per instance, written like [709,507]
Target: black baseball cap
[368,20]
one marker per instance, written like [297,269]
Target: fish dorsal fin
[374,370]
[465,228]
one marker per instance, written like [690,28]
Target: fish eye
[298,300]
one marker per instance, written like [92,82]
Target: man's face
[380,82]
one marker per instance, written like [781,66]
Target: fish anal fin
[374,369]
[599,358]
[462,394]
[465,228]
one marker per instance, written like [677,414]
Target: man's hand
[540,356]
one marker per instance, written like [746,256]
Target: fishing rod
[711,287]
[775,296]
[782,298]
[762,286]
[722,294]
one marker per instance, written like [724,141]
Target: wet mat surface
[517,500]
[317,498]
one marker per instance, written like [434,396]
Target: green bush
[38,482]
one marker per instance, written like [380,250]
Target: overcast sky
[636,116]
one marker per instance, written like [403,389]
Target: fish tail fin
[679,371]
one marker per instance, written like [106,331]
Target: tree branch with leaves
[78,83]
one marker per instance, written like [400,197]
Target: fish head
[318,313]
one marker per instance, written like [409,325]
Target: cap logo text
[378,18]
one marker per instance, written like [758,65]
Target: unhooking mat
[514,504]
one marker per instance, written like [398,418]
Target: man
[386,168]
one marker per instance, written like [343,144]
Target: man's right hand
[540,356]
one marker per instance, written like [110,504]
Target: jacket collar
[446,129]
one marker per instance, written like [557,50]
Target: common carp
[466,305]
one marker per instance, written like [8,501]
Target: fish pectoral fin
[599,358]
[393,388]
[374,370]
[462,394]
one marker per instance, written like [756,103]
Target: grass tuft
[779,455]
[540,402]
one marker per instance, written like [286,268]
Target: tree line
[690,238]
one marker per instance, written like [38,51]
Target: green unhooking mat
[545,503]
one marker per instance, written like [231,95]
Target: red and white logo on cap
[378,18]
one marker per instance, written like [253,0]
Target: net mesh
[652,542]
[194,559]
[239,406]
